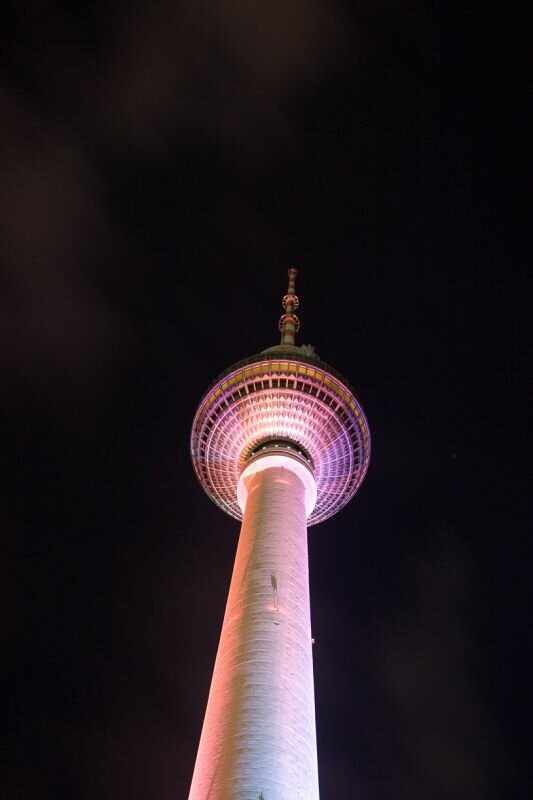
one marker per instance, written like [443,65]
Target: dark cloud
[223,70]
[57,326]
[128,80]
[428,674]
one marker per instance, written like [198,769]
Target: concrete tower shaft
[259,729]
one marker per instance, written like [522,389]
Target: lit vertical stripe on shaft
[259,728]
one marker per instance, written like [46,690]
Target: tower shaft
[258,737]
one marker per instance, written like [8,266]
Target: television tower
[280,441]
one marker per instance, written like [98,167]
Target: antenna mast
[289,324]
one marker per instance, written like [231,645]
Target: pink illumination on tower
[281,442]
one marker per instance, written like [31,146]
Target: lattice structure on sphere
[277,396]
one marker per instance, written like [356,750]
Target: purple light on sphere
[285,396]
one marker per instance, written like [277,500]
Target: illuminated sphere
[284,398]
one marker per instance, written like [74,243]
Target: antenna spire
[289,324]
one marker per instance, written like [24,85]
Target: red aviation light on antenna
[288,320]
[290,299]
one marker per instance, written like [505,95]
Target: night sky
[162,164]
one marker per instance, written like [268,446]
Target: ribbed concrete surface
[259,728]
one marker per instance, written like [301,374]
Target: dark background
[161,166]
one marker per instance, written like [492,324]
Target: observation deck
[283,397]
